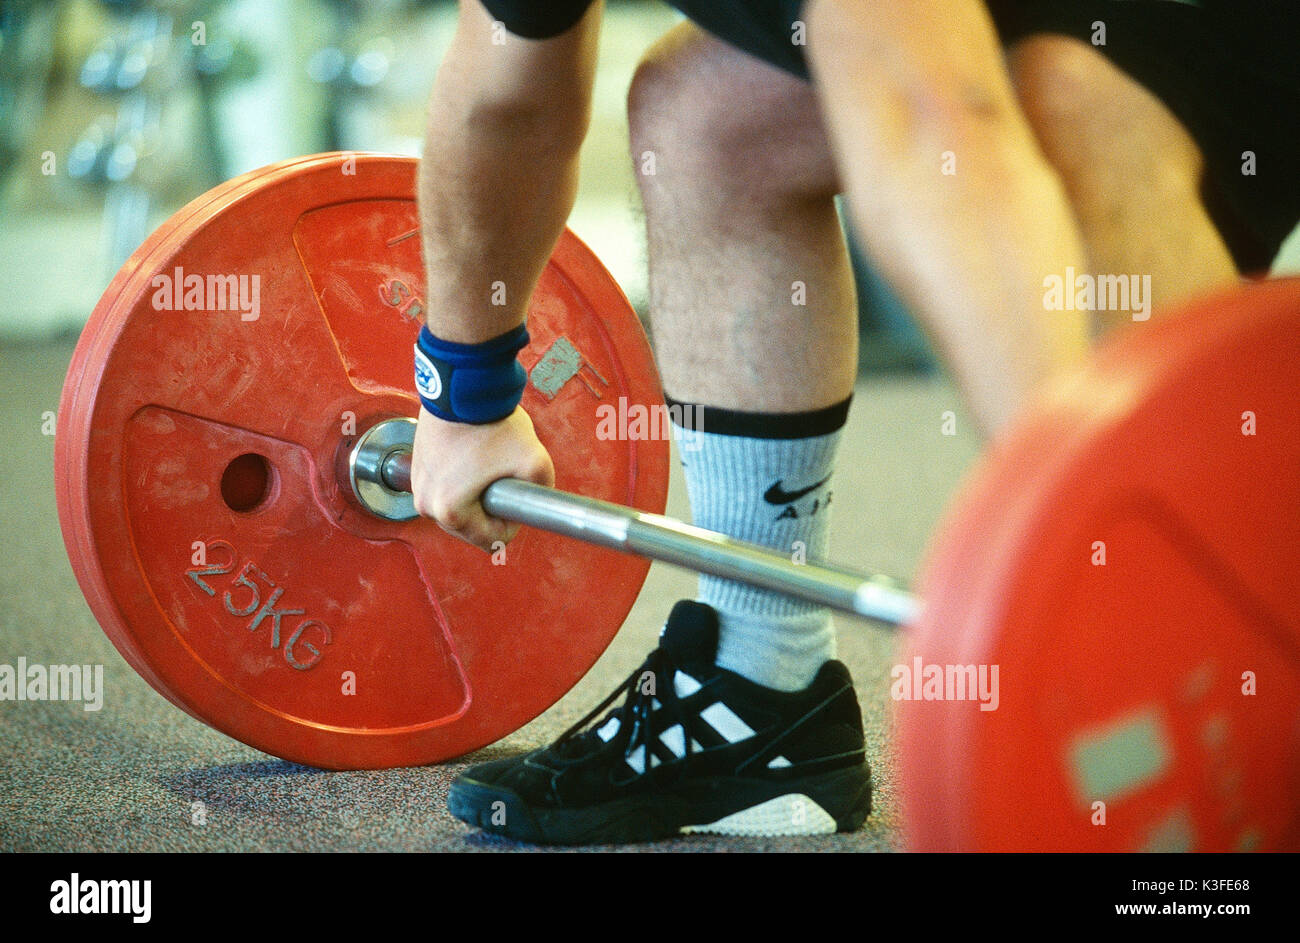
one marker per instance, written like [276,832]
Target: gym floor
[128,777]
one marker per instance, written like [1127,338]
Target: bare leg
[752,297]
[753,312]
[1130,168]
[949,190]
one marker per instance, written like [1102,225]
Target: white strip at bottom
[793,814]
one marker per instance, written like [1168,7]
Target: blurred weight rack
[114,113]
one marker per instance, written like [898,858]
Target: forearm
[488,226]
[948,190]
[499,171]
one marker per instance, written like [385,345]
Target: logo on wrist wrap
[427,379]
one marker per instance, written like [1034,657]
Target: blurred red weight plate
[1109,657]
[231,363]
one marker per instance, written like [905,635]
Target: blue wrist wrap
[474,383]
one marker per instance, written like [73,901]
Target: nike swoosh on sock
[778,495]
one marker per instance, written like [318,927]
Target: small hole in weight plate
[246,482]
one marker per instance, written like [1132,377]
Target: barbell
[1106,657]
[379,472]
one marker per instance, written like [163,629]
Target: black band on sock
[759,425]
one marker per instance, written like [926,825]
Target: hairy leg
[752,297]
[754,320]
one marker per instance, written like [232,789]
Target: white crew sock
[764,478]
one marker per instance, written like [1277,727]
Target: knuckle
[424,505]
[453,517]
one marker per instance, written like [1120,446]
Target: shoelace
[635,715]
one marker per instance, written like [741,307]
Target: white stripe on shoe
[684,684]
[674,738]
[726,722]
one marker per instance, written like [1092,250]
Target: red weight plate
[197,478]
[71,514]
[1150,701]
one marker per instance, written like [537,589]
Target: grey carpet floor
[131,776]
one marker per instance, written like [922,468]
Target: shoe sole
[816,805]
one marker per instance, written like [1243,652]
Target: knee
[700,112]
[662,118]
[1089,115]
[1055,77]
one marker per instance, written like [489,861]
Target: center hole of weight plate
[246,482]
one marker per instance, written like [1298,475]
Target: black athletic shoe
[692,748]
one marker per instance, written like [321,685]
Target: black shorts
[1228,69]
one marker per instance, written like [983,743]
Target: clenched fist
[452,464]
